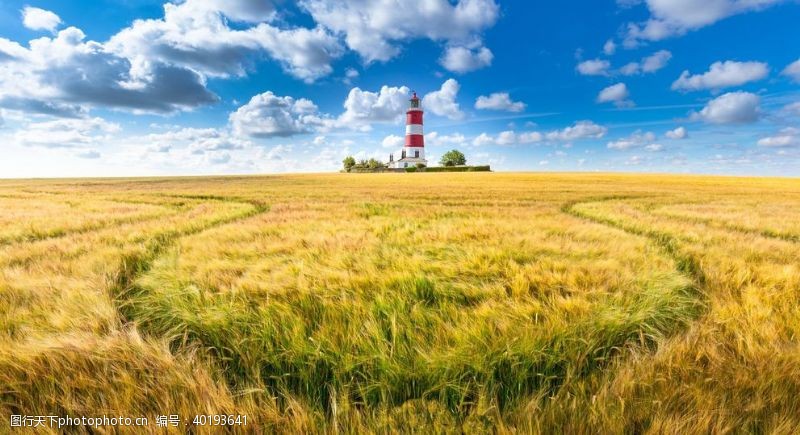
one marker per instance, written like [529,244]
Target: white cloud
[634,160]
[594,67]
[196,141]
[268,115]
[654,147]
[529,137]
[656,61]
[731,108]
[649,64]
[65,133]
[499,101]
[508,137]
[609,47]
[350,74]
[793,71]
[722,75]
[217,158]
[195,34]
[792,109]
[462,59]
[635,140]
[363,108]
[674,18]
[677,134]
[580,130]
[788,137]
[443,102]
[483,139]
[393,141]
[63,75]
[617,94]
[40,19]
[372,28]
[630,69]
[436,139]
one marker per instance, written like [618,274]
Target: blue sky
[127,87]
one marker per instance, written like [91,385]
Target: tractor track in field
[115,224]
[711,222]
[685,263]
[133,266]
[768,234]
[95,226]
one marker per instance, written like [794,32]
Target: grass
[483,302]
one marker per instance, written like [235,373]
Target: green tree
[375,164]
[348,163]
[453,158]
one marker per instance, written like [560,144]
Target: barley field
[430,303]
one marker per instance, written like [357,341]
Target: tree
[348,163]
[375,164]
[453,158]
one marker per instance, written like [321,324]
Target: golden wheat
[397,302]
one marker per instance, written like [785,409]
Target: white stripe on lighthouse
[414,129]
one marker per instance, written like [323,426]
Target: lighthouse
[413,153]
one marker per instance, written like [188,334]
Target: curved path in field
[132,267]
[668,243]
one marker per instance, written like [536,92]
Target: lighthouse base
[408,162]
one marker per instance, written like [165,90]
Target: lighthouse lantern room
[413,152]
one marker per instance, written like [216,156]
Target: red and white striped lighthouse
[413,152]
[415,139]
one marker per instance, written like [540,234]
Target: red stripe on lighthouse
[415,140]
[413,117]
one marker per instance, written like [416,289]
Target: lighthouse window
[416,154]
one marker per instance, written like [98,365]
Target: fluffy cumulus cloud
[443,102]
[268,115]
[364,108]
[676,17]
[373,28]
[617,94]
[594,67]
[195,140]
[793,71]
[393,141]
[196,34]
[60,75]
[499,101]
[649,64]
[461,59]
[155,65]
[580,130]
[731,108]
[788,137]
[636,140]
[40,19]
[677,134]
[722,75]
